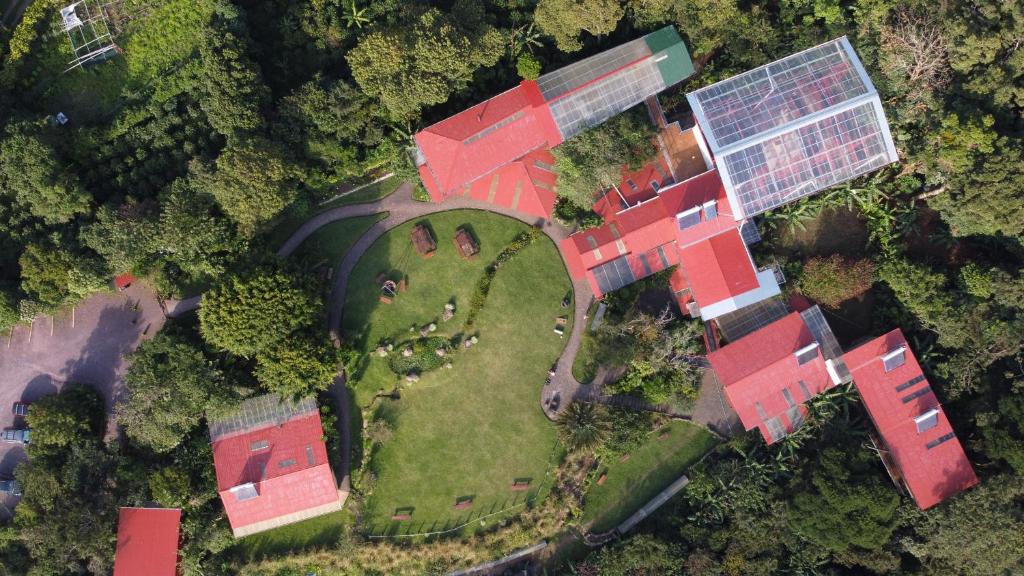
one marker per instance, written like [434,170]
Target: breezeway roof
[794,127]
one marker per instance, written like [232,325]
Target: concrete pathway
[401,208]
[563,388]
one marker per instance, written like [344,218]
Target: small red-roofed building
[147,542]
[769,374]
[915,439]
[272,466]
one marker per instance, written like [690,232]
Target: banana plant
[356,16]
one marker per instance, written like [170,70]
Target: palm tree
[356,16]
[583,426]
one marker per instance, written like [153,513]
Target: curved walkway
[401,208]
[563,388]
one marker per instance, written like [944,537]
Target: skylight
[807,353]
[894,359]
[258,445]
[710,210]
[927,421]
[244,492]
[688,218]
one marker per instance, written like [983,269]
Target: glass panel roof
[597,102]
[260,412]
[566,79]
[802,161]
[613,275]
[786,90]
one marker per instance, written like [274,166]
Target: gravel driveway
[86,347]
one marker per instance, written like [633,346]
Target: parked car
[10,487]
[20,409]
[16,435]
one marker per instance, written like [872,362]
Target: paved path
[563,387]
[84,345]
[401,208]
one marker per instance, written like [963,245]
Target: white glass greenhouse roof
[596,102]
[794,127]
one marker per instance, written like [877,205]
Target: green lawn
[631,484]
[287,222]
[369,194]
[330,243]
[472,429]
[323,530]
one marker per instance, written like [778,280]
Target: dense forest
[222,121]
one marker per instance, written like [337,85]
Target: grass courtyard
[649,469]
[468,431]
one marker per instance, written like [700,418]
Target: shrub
[528,67]
[483,285]
[833,280]
[424,356]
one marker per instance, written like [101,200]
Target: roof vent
[244,492]
[807,353]
[927,421]
[894,359]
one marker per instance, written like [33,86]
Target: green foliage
[483,285]
[423,61]
[628,430]
[8,311]
[565,20]
[123,236]
[168,33]
[527,66]
[338,126]
[974,533]
[55,276]
[249,313]
[32,175]
[848,504]
[583,426]
[1004,437]
[297,366]
[64,420]
[192,236]
[592,161]
[424,357]
[171,384]
[640,555]
[833,280]
[254,181]
[988,199]
[235,94]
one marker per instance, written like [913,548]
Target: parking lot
[81,345]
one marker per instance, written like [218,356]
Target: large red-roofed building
[769,374]
[499,150]
[272,466]
[147,542]
[917,442]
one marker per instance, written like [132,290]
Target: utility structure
[89,31]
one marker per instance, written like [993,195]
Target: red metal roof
[123,281]
[894,400]
[481,139]
[761,369]
[286,463]
[719,267]
[147,542]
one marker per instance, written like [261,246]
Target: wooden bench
[463,505]
[602,478]
[520,485]
[400,517]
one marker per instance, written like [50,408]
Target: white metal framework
[794,127]
[89,31]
